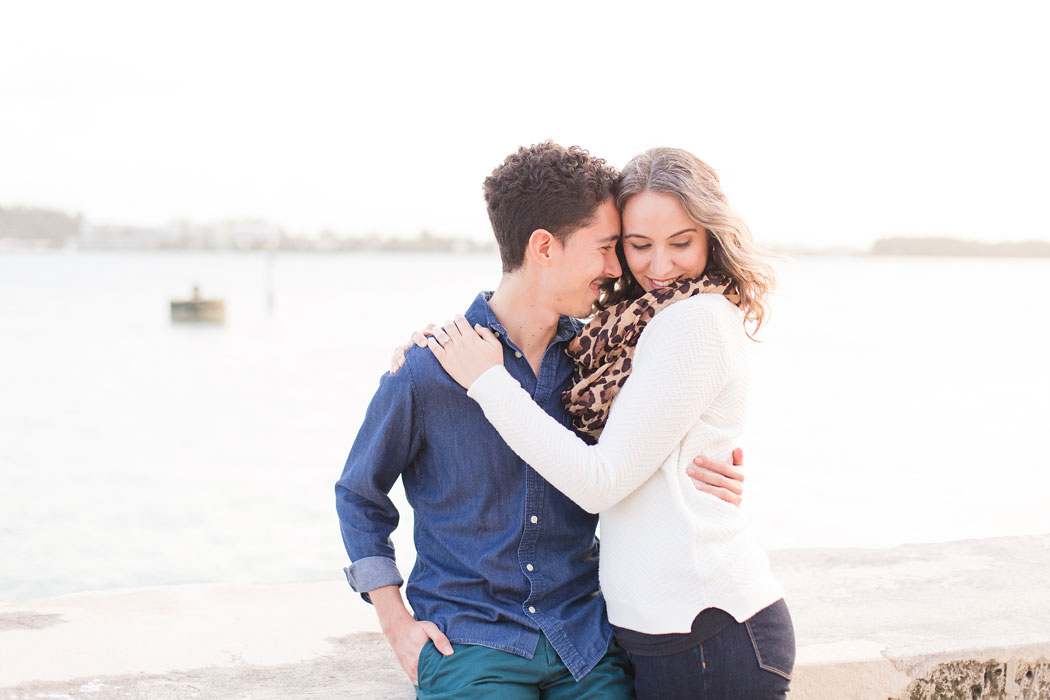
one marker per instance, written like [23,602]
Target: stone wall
[951,621]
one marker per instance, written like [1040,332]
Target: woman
[670,348]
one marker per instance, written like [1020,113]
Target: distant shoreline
[885,248]
[23,228]
[395,247]
[959,248]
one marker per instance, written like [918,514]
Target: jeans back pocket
[773,636]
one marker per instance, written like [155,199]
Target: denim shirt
[501,555]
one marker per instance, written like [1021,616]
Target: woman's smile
[657,284]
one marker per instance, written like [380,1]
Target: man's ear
[542,247]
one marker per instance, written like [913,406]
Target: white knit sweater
[668,551]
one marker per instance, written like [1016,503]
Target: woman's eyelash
[646,246]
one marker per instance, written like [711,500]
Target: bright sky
[831,123]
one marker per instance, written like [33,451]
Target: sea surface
[893,400]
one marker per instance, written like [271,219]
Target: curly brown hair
[544,186]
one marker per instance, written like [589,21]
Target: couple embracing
[518,424]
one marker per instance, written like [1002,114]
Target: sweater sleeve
[681,364]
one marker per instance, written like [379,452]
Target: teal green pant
[475,671]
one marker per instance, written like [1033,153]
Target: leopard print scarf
[604,349]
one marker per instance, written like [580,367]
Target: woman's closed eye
[647,246]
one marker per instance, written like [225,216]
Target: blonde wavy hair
[731,249]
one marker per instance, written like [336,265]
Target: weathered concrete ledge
[958,620]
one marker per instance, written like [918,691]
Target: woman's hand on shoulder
[719,479]
[418,338]
[465,352]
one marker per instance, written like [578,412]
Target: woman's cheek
[637,262]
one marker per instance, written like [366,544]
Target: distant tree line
[47,226]
[38,227]
[955,247]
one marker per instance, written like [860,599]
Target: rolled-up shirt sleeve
[387,443]
[370,573]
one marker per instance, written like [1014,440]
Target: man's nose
[612,265]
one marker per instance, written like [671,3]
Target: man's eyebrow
[610,238]
[678,233]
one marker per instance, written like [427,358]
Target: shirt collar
[481,312]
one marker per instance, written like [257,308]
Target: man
[505,586]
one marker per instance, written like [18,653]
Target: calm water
[894,400]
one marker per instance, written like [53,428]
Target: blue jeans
[749,660]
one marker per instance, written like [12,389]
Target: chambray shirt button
[495,333]
[532,610]
[517,353]
[528,567]
[534,520]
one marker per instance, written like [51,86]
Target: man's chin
[584,311]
